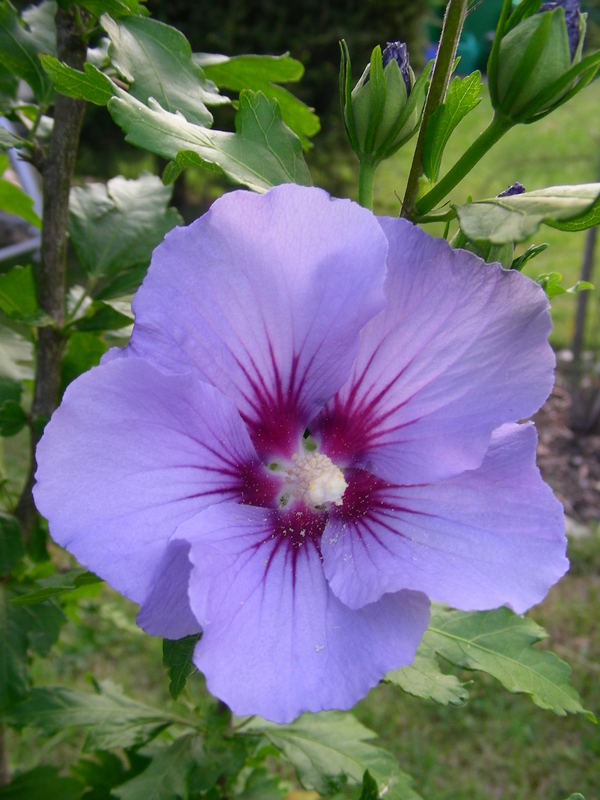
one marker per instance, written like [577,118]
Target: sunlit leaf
[91,84]
[264,73]
[263,153]
[515,218]
[55,585]
[156,61]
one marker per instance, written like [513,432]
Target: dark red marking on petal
[259,487]
[348,429]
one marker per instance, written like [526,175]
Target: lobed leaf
[499,643]
[262,74]
[262,153]
[91,84]
[326,747]
[109,718]
[424,678]
[462,97]
[156,60]
[115,226]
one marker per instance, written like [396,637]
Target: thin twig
[50,277]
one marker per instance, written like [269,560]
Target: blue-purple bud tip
[571,8]
[516,188]
[398,52]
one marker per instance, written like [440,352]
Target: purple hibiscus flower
[311,433]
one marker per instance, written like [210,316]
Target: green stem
[494,131]
[365,184]
[454,18]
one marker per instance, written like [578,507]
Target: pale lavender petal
[129,455]
[265,296]
[276,642]
[489,537]
[460,349]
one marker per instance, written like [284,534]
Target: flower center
[314,479]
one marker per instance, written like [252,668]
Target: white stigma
[314,478]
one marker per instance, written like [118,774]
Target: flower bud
[515,188]
[533,65]
[383,110]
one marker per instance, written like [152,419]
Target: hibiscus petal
[460,349]
[265,295]
[489,537]
[131,453]
[276,642]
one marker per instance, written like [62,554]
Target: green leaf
[499,643]
[41,782]
[16,361]
[166,778]
[18,297]
[12,418]
[21,41]
[8,140]
[370,790]
[102,317]
[424,678]
[324,748]
[462,97]
[263,152]
[84,351]
[262,74]
[91,84]
[156,60]
[109,718]
[531,252]
[515,218]
[177,657]
[116,8]
[13,200]
[101,772]
[23,629]
[551,283]
[116,226]
[55,585]
[588,219]
[11,543]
